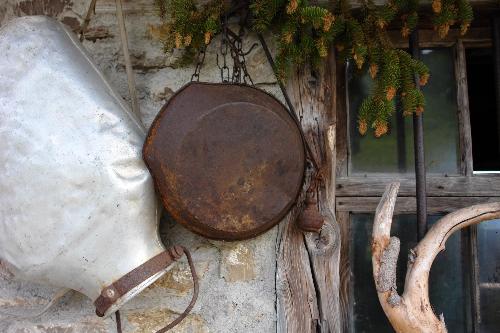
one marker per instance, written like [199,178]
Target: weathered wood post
[307,278]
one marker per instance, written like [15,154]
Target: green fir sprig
[305,32]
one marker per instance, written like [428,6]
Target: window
[440,121]
[465,279]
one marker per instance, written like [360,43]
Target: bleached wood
[412,312]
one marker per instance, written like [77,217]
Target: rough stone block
[237,262]
[152,320]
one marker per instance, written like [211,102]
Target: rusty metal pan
[227,160]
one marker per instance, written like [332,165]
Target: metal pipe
[418,147]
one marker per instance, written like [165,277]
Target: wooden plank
[429,37]
[476,292]
[341,122]
[465,136]
[296,300]
[408,204]
[437,186]
[303,258]
[345,291]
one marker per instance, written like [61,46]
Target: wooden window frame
[445,193]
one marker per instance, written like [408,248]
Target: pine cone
[437,6]
[359,60]
[381,128]
[328,20]
[287,37]
[292,7]
[424,78]
[443,30]
[464,27]
[208,37]
[390,93]
[178,40]
[362,127]
[373,70]
[381,23]
[405,31]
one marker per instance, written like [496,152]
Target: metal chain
[247,79]
[200,60]
[224,47]
[232,43]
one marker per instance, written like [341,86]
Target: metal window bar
[418,144]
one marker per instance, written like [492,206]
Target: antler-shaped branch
[412,312]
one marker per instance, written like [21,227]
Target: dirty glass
[447,287]
[393,153]
[488,246]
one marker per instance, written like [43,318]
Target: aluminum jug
[77,204]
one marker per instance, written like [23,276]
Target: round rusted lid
[227,160]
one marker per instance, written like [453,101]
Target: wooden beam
[341,122]
[465,136]
[437,186]
[345,292]
[429,37]
[307,279]
[435,205]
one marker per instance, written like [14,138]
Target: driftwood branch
[412,312]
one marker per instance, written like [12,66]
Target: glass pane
[447,287]
[394,152]
[488,246]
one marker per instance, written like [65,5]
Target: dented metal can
[77,205]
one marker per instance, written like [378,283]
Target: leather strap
[110,294]
[175,251]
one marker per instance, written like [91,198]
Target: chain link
[200,59]
[232,44]
[224,47]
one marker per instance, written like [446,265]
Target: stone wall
[237,279]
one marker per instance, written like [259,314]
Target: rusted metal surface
[227,160]
[310,218]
